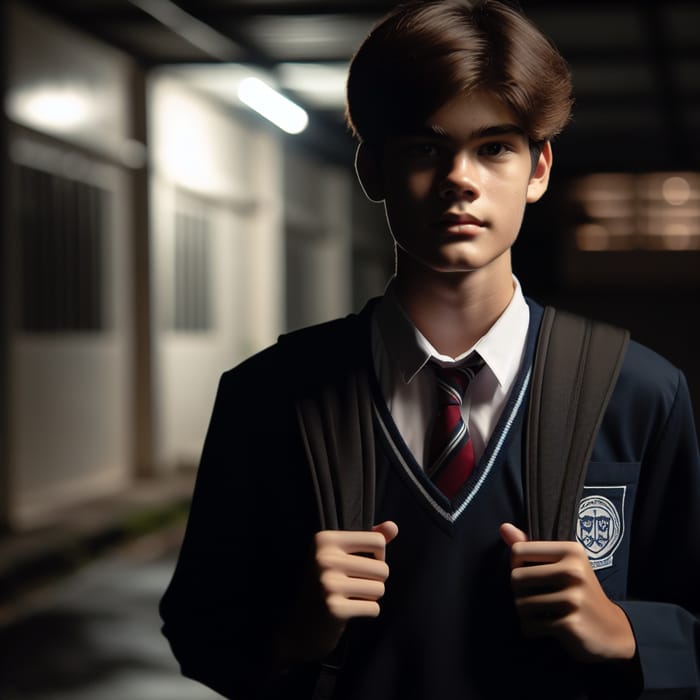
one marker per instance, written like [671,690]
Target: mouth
[461,224]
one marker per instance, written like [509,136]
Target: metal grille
[61,252]
[191,295]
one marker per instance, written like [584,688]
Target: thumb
[511,534]
[388,528]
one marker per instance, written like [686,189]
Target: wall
[69,377]
[223,175]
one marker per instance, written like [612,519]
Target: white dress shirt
[401,352]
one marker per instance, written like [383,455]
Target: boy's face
[455,191]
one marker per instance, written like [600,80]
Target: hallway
[95,635]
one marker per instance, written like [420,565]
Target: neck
[453,310]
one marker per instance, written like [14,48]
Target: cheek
[418,185]
[408,195]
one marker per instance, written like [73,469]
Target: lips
[463,224]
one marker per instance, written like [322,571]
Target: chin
[454,268]
[458,264]
[436,262]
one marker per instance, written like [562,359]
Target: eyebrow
[483,132]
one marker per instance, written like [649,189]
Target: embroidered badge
[600,528]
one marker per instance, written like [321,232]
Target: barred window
[192,304]
[61,241]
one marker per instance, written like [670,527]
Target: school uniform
[447,625]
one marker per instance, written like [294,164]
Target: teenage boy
[455,104]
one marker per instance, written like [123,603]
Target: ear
[369,172]
[540,175]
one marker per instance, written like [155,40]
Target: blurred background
[156,229]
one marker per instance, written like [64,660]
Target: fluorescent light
[55,108]
[274,107]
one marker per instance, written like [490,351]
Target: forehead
[473,113]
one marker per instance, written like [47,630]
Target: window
[191,299]
[61,241]
[656,211]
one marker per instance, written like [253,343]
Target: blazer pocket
[604,521]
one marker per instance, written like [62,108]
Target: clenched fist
[346,580]
[558,595]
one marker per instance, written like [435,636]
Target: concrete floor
[95,635]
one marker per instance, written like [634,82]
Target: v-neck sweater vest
[447,623]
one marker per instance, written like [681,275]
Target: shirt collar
[410,350]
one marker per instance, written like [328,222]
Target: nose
[461,182]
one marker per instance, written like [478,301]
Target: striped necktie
[451,455]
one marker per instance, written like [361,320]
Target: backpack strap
[338,436]
[337,432]
[577,363]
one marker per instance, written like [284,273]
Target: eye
[493,149]
[423,150]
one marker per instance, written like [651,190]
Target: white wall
[318,224]
[70,393]
[201,151]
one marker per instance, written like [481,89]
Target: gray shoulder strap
[338,434]
[577,363]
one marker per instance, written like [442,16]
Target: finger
[352,542]
[541,552]
[353,565]
[357,566]
[335,583]
[342,608]
[511,534]
[540,578]
[362,589]
[546,607]
[388,528]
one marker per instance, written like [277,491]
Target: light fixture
[54,108]
[276,108]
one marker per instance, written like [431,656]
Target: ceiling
[636,65]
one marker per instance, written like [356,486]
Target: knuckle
[518,549]
[326,560]
[576,599]
[329,581]
[322,538]
[522,605]
[571,624]
[335,604]
[571,567]
[579,550]
[576,571]
[377,538]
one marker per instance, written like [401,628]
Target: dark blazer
[253,516]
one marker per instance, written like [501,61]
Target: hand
[353,583]
[558,595]
[344,582]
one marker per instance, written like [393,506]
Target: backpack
[576,365]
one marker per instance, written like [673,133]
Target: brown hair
[426,52]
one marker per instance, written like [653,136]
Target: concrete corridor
[95,635]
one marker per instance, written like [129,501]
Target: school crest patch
[601,523]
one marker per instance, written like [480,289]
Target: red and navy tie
[451,454]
